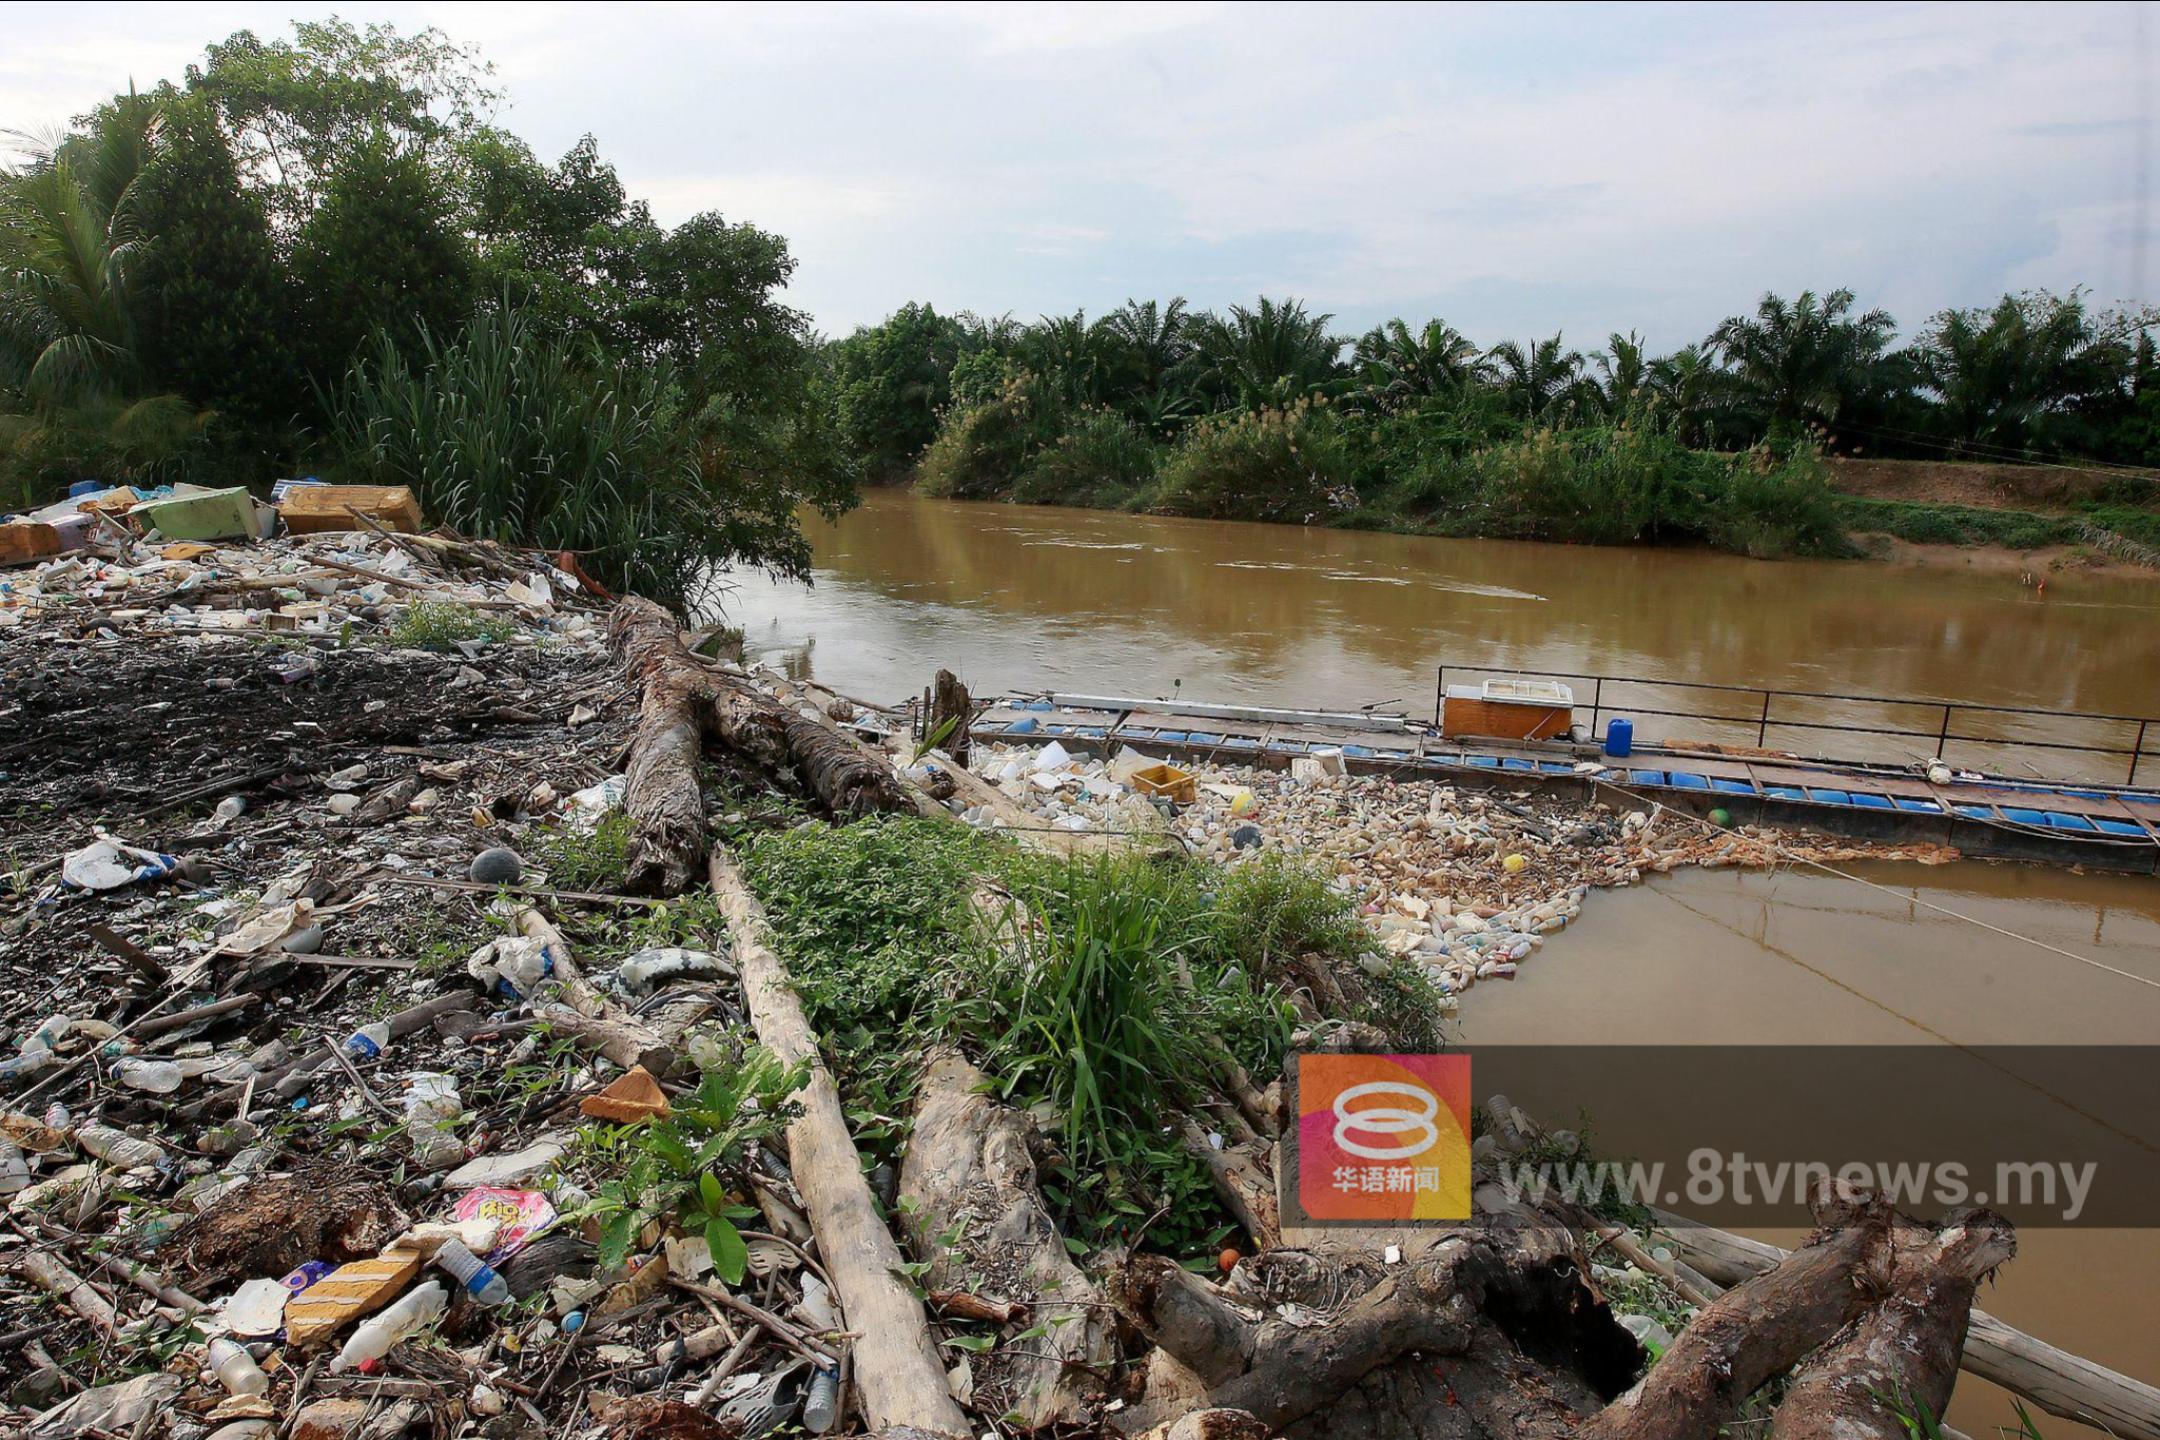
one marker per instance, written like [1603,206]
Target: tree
[212,305]
[556,240]
[1397,365]
[69,240]
[1624,366]
[1685,389]
[1541,381]
[379,253]
[294,110]
[1806,362]
[1999,374]
[891,380]
[1272,354]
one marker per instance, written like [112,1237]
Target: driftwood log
[896,1366]
[2062,1384]
[973,1209]
[684,702]
[1508,1339]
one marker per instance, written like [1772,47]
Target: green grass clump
[594,860]
[444,624]
[1099,993]
[1922,523]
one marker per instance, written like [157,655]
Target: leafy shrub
[1100,459]
[443,624]
[592,861]
[514,436]
[144,442]
[980,450]
[1289,464]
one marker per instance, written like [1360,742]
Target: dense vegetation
[1102,1013]
[1263,413]
[318,254]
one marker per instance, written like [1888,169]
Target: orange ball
[1227,1261]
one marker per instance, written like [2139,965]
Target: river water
[1104,603]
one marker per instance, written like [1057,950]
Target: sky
[1512,169]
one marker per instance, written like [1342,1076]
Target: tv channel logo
[1383,1137]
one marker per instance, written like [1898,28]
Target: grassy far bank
[1314,463]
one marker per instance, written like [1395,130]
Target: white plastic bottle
[236,1369]
[368,1041]
[375,1339]
[118,1148]
[158,1077]
[475,1274]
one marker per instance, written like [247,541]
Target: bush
[512,436]
[146,442]
[1290,464]
[1101,459]
[981,450]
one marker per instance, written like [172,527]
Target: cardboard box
[27,540]
[311,509]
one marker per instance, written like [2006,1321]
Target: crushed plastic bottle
[432,1107]
[475,1274]
[14,1169]
[118,1148]
[236,1370]
[368,1041]
[156,1077]
[380,1334]
[821,1405]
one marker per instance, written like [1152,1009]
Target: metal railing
[1762,713]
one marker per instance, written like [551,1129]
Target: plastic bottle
[231,808]
[368,1041]
[118,1148]
[475,1274]
[375,1339]
[821,1405]
[158,1077]
[236,1369]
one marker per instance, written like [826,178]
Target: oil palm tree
[1624,370]
[1541,381]
[1399,365]
[68,239]
[1269,355]
[1685,387]
[1804,362]
[1998,372]
[1144,341]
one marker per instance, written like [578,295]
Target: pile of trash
[331,1102]
[1466,883]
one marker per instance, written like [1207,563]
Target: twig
[780,1329]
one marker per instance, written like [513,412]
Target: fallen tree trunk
[896,1366]
[1905,1350]
[2064,1385]
[683,701]
[969,1170]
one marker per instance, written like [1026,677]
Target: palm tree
[1066,351]
[1685,387]
[1625,366]
[1803,362]
[1141,344]
[1997,372]
[1540,381]
[1270,355]
[1397,365]
[67,242]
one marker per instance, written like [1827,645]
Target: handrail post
[1942,736]
[1439,697]
[1597,703]
[1762,731]
[2137,751]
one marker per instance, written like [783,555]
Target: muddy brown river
[1013,597]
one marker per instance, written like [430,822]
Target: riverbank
[1593,487]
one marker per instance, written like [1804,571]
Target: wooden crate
[1465,715]
[309,509]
